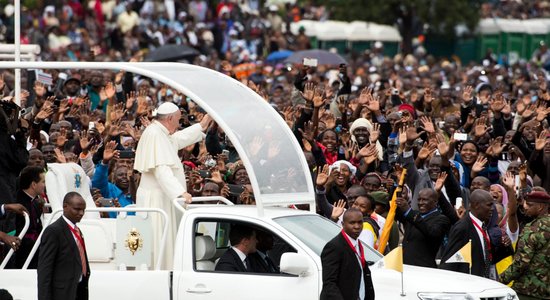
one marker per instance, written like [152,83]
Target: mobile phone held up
[310,62]
[235,189]
[127,154]
[107,202]
[460,136]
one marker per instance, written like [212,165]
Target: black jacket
[35,227]
[460,234]
[231,262]
[341,272]
[423,237]
[59,266]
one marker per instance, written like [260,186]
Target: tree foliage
[440,15]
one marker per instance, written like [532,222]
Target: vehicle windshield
[316,231]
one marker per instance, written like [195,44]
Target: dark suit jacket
[461,232]
[420,179]
[260,265]
[231,262]
[35,227]
[59,267]
[423,237]
[341,272]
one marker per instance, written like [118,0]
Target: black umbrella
[172,53]
[323,57]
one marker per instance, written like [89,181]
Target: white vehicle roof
[280,178]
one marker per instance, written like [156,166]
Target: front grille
[493,298]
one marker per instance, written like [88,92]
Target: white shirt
[73,226]
[241,255]
[355,244]
[492,268]
[479,233]
[514,236]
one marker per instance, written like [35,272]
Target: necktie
[270,264]
[245,262]
[81,250]
[361,279]
[487,256]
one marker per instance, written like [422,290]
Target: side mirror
[294,264]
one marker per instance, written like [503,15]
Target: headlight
[444,296]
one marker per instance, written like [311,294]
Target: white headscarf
[336,166]
[362,122]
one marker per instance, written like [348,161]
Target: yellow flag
[385,236]
[463,255]
[393,260]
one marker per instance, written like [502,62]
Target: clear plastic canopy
[270,153]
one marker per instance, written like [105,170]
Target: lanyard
[361,255]
[485,237]
[76,233]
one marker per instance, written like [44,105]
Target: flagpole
[402,287]
[402,283]
[470,263]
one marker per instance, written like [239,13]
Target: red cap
[408,108]
[538,197]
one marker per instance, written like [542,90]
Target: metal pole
[402,271]
[402,286]
[17,42]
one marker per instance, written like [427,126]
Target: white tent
[511,25]
[488,26]
[331,30]
[309,25]
[535,26]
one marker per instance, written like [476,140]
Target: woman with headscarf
[500,195]
[341,176]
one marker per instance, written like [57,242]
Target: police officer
[531,267]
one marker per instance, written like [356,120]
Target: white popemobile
[119,249]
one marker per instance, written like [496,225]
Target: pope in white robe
[162,173]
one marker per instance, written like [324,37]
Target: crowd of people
[474,139]
[512,9]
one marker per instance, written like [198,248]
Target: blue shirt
[109,190]
[421,215]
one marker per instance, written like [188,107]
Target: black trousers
[82,290]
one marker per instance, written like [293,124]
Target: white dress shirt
[241,255]
[355,244]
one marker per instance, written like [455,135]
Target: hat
[381,197]
[484,86]
[362,122]
[273,7]
[166,108]
[336,166]
[72,79]
[9,10]
[408,108]
[538,197]
[224,10]
[373,174]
